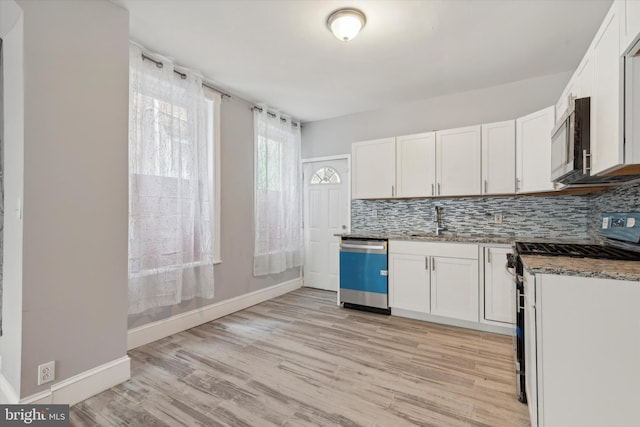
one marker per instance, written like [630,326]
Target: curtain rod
[183,76]
[272,114]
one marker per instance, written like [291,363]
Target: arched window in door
[325,175]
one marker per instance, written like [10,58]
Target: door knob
[344,227]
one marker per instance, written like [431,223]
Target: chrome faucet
[437,218]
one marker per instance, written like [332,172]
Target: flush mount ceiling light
[345,24]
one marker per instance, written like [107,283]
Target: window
[325,175]
[173,179]
[278,214]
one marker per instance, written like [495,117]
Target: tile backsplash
[574,217]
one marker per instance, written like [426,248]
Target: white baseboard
[91,382]
[79,387]
[163,328]
[485,327]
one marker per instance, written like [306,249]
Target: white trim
[42,398]
[7,393]
[78,387]
[504,330]
[326,158]
[91,382]
[163,328]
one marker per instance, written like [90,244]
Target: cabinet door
[499,158]
[499,287]
[374,169]
[458,161]
[454,288]
[409,282]
[606,145]
[533,151]
[584,77]
[416,165]
[629,11]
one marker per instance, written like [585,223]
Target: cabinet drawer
[444,249]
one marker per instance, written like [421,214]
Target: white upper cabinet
[606,145]
[533,151]
[458,161]
[373,169]
[629,11]
[416,165]
[499,158]
[583,78]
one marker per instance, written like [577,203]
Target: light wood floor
[301,360]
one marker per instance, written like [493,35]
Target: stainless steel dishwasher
[363,274]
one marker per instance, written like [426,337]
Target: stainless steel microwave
[570,143]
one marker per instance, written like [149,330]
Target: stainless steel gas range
[621,234]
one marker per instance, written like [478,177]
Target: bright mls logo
[34,415]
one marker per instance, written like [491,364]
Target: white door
[326,212]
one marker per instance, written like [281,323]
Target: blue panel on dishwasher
[362,272]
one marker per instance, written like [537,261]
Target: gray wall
[234,276]
[504,102]
[74,285]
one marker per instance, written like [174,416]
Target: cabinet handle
[517,184]
[585,156]
[518,306]
[488,256]
[433,191]
[426,263]
[433,265]
[438,189]
[485,185]
[392,191]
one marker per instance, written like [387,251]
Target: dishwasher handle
[364,246]
[352,246]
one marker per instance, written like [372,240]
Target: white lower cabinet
[434,278]
[409,282]
[499,287]
[583,350]
[454,288]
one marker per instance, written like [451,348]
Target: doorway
[327,211]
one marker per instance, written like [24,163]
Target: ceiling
[281,53]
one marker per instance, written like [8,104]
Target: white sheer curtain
[170,187]
[278,225]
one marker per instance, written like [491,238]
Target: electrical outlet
[46,372]
[374,213]
[497,218]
